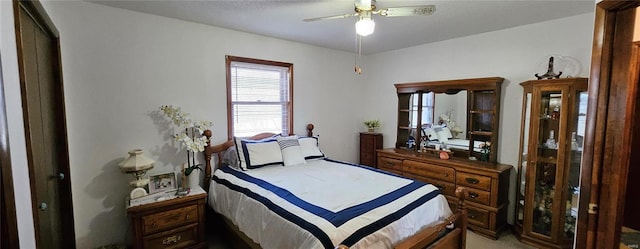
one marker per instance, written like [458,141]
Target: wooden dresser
[487,184]
[369,143]
[177,223]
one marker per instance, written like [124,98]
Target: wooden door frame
[9,237]
[607,142]
[38,13]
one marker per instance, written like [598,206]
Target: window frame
[228,60]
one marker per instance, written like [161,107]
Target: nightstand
[174,223]
[369,143]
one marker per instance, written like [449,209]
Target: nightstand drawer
[169,219]
[176,238]
[474,181]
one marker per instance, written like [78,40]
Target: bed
[443,138]
[323,203]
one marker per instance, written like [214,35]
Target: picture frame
[162,183]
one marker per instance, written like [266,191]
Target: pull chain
[357,68]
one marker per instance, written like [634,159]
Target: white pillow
[291,151]
[310,149]
[257,153]
[431,134]
[443,134]
[230,158]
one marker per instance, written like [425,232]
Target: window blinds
[259,98]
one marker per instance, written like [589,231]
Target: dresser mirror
[456,115]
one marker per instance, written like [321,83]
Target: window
[427,109]
[260,96]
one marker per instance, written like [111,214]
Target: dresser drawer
[390,164]
[429,170]
[446,188]
[478,217]
[478,196]
[474,181]
[169,219]
[176,238]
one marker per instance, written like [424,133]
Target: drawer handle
[473,195]
[389,164]
[171,240]
[441,187]
[188,216]
[472,180]
[471,216]
[154,225]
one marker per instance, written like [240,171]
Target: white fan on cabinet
[366,9]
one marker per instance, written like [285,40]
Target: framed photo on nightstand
[162,183]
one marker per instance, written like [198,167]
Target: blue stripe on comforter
[379,224]
[313,229]
[336,218]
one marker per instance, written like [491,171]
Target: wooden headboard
[219,149]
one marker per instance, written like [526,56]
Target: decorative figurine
[551,142]
[549,74]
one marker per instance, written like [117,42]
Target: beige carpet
[474,241]
[506,241]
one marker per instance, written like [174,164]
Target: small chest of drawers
[177,223]
[369,143]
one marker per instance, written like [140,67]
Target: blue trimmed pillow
[310,148]
[257,153]
[291,150]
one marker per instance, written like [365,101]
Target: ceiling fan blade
[330,17]
[423,10]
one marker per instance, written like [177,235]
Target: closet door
[613,95]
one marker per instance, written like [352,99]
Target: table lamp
[137,165]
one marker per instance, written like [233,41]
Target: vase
[193,179]
[371,129]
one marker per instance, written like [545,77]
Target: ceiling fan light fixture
[365,26]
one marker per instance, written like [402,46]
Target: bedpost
[207,158]
[310,130]
[461,192]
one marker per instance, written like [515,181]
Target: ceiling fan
[365,9]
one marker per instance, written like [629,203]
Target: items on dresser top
[487,184]
[161,196]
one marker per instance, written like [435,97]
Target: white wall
[514,54]
[120,66]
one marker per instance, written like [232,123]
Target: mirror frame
[452,87]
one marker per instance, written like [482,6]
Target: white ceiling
[283,19]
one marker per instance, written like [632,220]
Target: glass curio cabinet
[553,126]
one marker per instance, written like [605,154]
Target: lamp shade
[136,162]
[365,26]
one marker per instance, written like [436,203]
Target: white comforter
[323,203]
